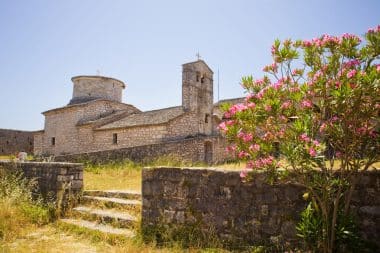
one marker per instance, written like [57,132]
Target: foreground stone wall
[217,202]
[189,150]
[14,141]
[60,182]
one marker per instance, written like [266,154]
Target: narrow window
[53,141]
[202,79]
[114,138]
[198,76]
[207,116]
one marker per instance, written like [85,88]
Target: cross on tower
[198,56]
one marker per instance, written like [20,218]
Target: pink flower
[230,122]
[243,154]
[244,172]
[316,143]
[286,105]
[277,85]
[222,126]
[312,152]
[351,73]
[247,137]
[254,147]
[259,82]
[378,68]
[306,103]
[251,105]
[231,149]
[249,96]
[322,128]
[268,108]
[304,137]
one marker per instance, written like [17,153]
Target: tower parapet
[88,88]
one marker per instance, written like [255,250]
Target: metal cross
[198,56]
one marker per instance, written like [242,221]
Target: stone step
[99,227]
[118,203]
[126,194]
[115,218]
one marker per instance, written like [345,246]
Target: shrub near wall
[216,203]
[59,182]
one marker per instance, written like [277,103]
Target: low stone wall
[14,141]
[59,182]
[189,150]
[217,202]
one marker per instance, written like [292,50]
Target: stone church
[97,121]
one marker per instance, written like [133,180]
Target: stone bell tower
[197,93]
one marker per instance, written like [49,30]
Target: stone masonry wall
[190,150]
[60,182]
[62,124]
[128,137]
[217,202]
[13,141]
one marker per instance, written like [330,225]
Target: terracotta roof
[155,117]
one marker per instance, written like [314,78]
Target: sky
[144,43]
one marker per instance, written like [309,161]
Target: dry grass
[112,179]
[55,238]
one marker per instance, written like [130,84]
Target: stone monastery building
[96,120]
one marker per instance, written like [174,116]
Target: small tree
[318,106]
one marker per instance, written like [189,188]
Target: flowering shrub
[318,105]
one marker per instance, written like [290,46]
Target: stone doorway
[208,152]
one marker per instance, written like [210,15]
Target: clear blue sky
[143,43]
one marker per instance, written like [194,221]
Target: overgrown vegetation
[317,104]
[18,210]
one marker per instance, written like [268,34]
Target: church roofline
[69,106]
[201,61]
[98,77]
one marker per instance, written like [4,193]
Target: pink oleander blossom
[230,122]
[351,73]
[222,126]
[254,147]
[306,103]
[286,104]
[268,108]
[251,105]
[322,128]
[312,152]
[304,137]
[247,137]
[243,154]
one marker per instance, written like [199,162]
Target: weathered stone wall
[183,126]
[218,202]
[93,87]
[13,141]
[190,150]
[62,124]
[60,182]
[128,137]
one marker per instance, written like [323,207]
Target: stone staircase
[112,212]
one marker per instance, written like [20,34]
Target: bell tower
[197,93]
